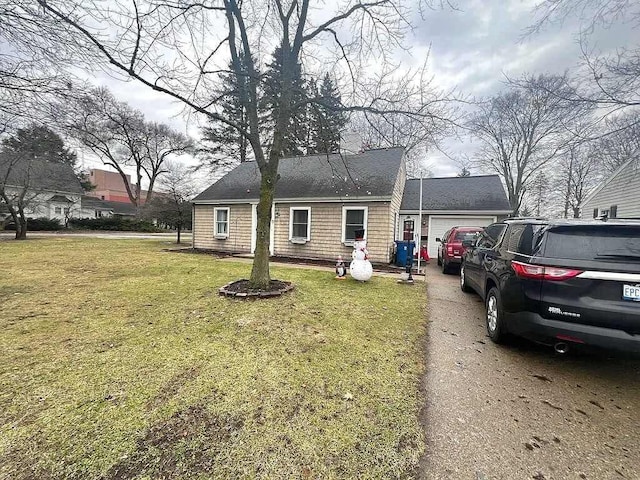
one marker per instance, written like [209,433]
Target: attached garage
[449,202]
[439,224]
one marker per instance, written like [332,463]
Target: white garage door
[439,224]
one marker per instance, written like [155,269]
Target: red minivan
[450,250]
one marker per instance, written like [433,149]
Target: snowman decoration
[360,267]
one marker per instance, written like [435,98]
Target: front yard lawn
[119,360]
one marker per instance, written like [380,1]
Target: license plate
[631,292]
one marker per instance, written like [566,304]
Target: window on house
[604,212]
[66,211]
[353,218]
[221,216]
[58,210]
[300,224]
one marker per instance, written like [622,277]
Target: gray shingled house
[453,201]
[618,196]
[321,200]
[50,189]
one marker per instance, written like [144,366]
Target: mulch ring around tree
[242,289]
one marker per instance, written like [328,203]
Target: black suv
[558,282]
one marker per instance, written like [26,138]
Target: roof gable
[365,175]
[626,168]
[476,193]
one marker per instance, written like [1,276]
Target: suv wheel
[439,260]
[445,266]
[495,323]
[463,281]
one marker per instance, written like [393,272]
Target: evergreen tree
[224,142]
[296,136]
[37,141]
[327,120]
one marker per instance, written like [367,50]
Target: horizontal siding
[396,200]
[326,231]
[623,191]
[239,239]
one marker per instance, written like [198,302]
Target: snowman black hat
[359,234]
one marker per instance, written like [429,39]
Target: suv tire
[445,267]
[439,260]
[495,317]
[463,281]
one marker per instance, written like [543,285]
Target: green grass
[119,360]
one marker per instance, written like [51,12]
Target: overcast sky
[471,48]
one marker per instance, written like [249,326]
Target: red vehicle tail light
[450,249]
[539,272]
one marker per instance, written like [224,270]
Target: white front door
[254,227]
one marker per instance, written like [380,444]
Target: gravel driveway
[521,412]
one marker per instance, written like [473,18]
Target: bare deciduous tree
[608,80]
[579,172]
[171,205]
[121,138]
[619,142]
[522,130]
[182,49]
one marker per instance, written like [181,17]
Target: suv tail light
[539,272]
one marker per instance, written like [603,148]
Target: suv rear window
[463,235]
[521,238]
[615,243]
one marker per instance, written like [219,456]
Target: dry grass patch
[118,360]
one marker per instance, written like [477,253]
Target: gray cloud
[476,47]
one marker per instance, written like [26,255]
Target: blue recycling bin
[404,250]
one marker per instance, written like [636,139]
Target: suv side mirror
[468,242]
[438,239]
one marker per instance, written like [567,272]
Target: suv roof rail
[606,218]
[526,218]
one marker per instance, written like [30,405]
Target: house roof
[95,203]
[365,175]
[121,208]
[60,199]
[38,174]
[477,193]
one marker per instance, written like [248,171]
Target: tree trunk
[260,276]
[567,194]
[576,212]
[21,228]
[178,242]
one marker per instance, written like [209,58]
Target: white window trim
[344,221]
[220,236]
[308,236]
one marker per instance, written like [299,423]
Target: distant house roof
[365,175]
[121,208]
[38,174]
[94,203]
[60,199]
[478,193]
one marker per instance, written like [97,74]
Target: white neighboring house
[45,189]
[92,207]
[618,196]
